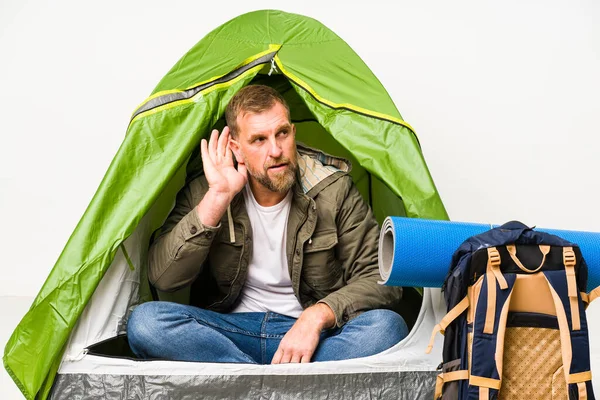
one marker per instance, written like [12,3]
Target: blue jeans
[163,330]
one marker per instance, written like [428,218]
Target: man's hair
[252,99]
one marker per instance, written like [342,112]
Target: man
[281,252]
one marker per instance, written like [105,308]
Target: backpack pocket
[532,360]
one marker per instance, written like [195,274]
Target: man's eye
[283,132]
[258,140]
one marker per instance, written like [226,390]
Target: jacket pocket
[320,270]
[225,258]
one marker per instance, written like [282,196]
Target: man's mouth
[278,167]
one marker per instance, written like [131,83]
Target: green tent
[337,104]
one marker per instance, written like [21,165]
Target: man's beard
[282,181]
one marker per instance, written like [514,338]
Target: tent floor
[404,385]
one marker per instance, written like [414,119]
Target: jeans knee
[143,325]
[388,322]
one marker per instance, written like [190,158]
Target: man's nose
[275,150]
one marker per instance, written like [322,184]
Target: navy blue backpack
[516,325]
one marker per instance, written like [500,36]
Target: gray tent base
[400,385]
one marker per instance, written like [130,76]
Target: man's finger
[226,137]
[305,359]
[206,160]
[228,152]
[212,145]
[207,163]
[277,357]
[296,358]
[286,357]
[221,147]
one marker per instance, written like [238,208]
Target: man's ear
[235,147]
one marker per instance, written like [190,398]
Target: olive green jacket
[332,239]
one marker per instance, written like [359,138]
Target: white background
[504,97]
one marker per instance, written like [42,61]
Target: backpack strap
[587,298]
[487,348]
[582,390]
[445,377]
[447,320]
[450,376]
[574,347]
[569,260]
[493,274]
[593,295]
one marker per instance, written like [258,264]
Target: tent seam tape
[15,379]
[129,262]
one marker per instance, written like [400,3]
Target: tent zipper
[187,94]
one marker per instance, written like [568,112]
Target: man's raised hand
[217,159]
[224,181]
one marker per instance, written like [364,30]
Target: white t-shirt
[268,286]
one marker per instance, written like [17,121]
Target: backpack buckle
[493,256]
[569,257]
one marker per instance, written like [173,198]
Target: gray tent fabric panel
[186,94]
[403,385]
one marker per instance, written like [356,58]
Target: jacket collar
[317,169]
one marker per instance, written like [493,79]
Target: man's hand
[224,181]
[299,344]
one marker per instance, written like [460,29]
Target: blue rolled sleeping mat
[417,252]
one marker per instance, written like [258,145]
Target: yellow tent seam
[338,105]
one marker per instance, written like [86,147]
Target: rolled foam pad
[417,252]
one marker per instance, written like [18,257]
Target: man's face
[266,145]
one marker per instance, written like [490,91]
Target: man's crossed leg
[164,330]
